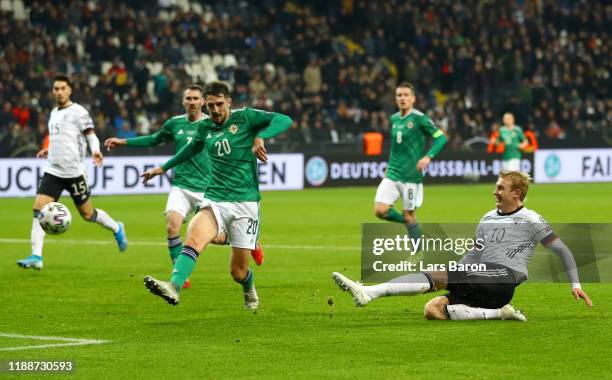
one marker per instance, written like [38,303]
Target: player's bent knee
[434,309]
[381,211]
[238,273]
[87,215]
[410,217]
[173,230]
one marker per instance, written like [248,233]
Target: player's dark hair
[195,87]
[406,85]
[216,89]
[62,78]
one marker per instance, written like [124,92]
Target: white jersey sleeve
[540,228]
[67,143]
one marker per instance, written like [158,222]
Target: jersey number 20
[223,147]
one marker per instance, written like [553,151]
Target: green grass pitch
[88,290]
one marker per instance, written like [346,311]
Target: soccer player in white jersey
[70,130]
[510,233]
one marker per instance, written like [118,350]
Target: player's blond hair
[518,181]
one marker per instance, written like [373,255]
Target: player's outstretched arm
[569,263]
[277,123]
[188,151]
[114,142]
[148,175]
[94,146]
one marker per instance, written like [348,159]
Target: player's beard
[60,103]
[218,117]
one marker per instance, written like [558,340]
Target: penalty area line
[160,244]
[67,342]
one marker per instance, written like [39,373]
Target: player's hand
[97,158]
[146,176]
[43,153]
[579,293]
[423,162]
[260,150]
[114,142]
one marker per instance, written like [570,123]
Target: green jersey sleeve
[162,136]
[428,127]
[269,124]
[521,135]
[189,150]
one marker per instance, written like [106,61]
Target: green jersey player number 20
[231,200]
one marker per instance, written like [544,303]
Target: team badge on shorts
[233,129]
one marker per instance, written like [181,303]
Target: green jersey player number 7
[231,200]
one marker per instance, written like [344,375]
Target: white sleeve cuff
[94,143]
[576,285]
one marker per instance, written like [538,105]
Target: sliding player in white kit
[70,126]
[509,234]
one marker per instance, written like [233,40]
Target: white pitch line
[70,342]
[159,244]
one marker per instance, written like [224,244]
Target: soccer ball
[55,218]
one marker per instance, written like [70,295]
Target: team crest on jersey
[410,125]
[517,220]
[180,132]
[233,129]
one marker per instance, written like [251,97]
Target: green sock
[174,248]
[394,216]
[184,266]
[247,283]
[414,230]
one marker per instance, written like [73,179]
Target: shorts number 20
[252,228]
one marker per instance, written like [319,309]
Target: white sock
[102,218]
[408,285]
[468,313]
[37,237]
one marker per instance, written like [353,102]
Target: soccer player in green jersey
[514,140]
[231,201]
[189,178]
[404,178]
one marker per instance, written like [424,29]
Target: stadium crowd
[331,65]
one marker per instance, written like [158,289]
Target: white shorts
[239,220]
[513,164]
[389,192]
[183,201]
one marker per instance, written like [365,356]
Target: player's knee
[238,273]
[194,243]
[88,215]
[434,309]
[381,211]
[173,230]
[410,217]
